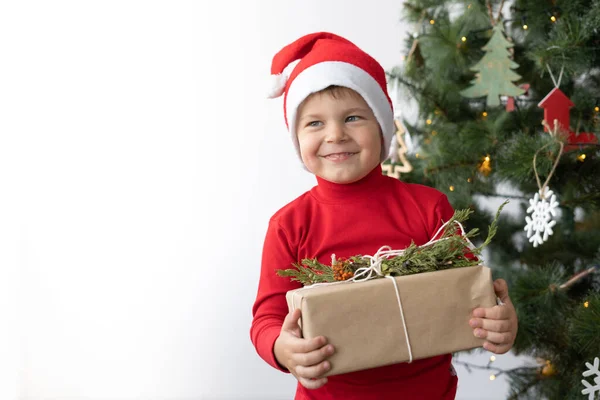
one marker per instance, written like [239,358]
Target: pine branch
[450,250]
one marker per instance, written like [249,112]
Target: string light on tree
[548,369]
[586,304]
[485,166]
[432,21]
[492,377]
[581,157]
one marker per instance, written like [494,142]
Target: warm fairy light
[581,157]
[586,304]
[485,167]
[432,21]
[452,188]
[492,377]
[417,155]
[553,18]
[484,114]
[464,38]
[428,122]
[525,27]
[597,109]
[433,133]
[469,180]
[493,358]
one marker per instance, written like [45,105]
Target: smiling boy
[341,123]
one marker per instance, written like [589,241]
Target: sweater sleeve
[270,306]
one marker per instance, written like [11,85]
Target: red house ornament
[557,106]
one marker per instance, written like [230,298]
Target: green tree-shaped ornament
[494,74]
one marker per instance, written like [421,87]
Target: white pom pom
[277,85]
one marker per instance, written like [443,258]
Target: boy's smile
[338,135]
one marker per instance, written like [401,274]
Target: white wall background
[139,164]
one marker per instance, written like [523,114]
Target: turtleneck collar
[339,193]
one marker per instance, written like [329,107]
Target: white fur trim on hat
[325,74]
[276,85]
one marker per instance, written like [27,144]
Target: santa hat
[325,60]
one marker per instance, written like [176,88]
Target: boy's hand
[305,359]
[497,324]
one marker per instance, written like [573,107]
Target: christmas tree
[508,106]
[494,75]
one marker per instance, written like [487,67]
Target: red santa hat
[327,59]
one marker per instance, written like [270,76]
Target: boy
[341,121]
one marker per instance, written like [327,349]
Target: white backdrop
[139,165]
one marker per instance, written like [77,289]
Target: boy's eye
[314,123]
[352,118]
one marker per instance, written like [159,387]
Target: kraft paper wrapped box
[364,323]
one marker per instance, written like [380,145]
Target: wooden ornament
[399,163]
[557,107]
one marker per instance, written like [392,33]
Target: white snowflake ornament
[590,389]
[542,208]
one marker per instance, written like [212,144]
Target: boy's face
[339,136]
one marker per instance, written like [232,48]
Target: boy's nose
[335,133]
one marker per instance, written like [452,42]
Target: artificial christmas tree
[482,143]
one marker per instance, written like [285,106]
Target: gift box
[370,328]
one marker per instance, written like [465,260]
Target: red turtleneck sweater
[348,220]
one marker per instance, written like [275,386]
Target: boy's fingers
[496,348]
[496,312]
[314,356]
[494,325]
[501,290]
[312,383]
[313,371]
[498,338]
[307,346]
[290,323]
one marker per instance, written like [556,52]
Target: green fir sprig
[450,251]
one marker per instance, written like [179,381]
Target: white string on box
[374,271]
